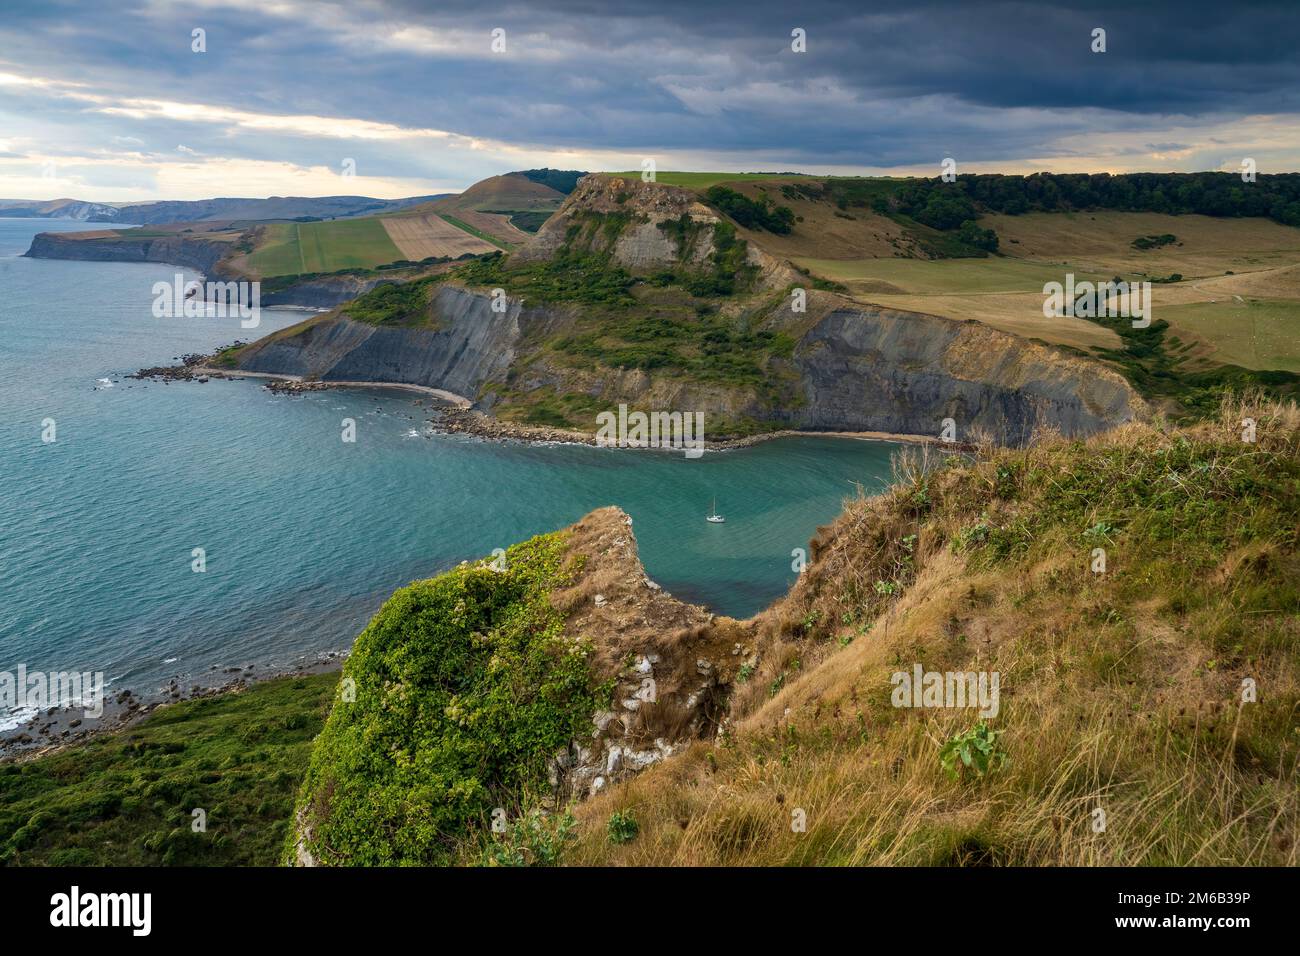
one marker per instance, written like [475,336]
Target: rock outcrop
[671,662]
[641,244]
[668,667]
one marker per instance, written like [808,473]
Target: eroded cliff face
[201,255]
[855,368]
[465,345]
[874,369]
[671,663]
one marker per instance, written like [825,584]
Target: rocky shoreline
[455,415]
[56,728]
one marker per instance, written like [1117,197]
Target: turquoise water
[305,535]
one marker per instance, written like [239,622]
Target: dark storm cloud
[881,84]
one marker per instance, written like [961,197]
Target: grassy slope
[346,244]
[1252,333]
[1120,691]
[125,799]
[310,247]
[278,252]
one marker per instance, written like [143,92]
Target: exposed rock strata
[859,369]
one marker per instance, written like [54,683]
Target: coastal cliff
[639,293]
[208,256]
[853,368]
[871,369]
[201,255]
[464,345]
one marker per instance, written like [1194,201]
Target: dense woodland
[945,205]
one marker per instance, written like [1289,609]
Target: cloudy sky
[107,99]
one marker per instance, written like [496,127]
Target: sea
[302,535]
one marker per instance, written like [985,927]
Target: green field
[292,248]
[1254,333]
[127,798]
[944,276]
[278,253]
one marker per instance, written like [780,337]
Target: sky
[136,100]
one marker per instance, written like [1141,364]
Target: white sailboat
[713,516]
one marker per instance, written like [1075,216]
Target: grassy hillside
[1252,333]
[475,231]
[126,799]
[1121,691]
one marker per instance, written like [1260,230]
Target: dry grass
[1101,241]
[1120,691]
[420,236]
[1005,291]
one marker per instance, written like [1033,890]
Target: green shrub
[405,303]
[622,827]
[751,213]
[533,839]
[466,686]
[978,750]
